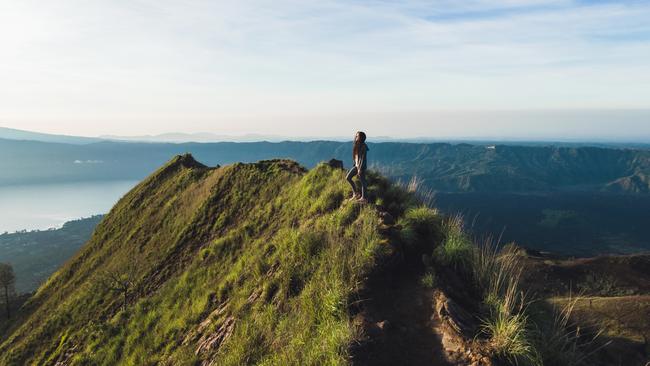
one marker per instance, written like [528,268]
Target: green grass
[497,275]
[510,338]
[457,249]
[421,228]
[258,260]
[429,280]
[512,324]
[562,341]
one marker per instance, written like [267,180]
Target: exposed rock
[254,296]
[456,328]
[188,161]
[216,314]
[212,341]
[65,358]
[454,315]
[383,325]
[336,164]
[274,267]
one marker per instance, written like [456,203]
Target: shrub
[497,275]
[510,338]
[420,227]
[457,249]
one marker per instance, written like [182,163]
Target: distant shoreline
[53,228]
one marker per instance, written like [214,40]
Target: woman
[359,156]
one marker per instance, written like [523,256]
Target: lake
[44,206]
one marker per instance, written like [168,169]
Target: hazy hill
[441,166]
[266,263]
[195,137]
[14,134]
[35,255]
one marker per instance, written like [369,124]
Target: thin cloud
[160,63]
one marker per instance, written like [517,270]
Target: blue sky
[506,68]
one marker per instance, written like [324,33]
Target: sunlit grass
[267,259]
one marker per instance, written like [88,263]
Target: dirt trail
[400,322]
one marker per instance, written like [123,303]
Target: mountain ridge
[441,167]
[163,223]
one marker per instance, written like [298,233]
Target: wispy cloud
[211,63]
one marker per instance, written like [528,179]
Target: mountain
[258,257]
[267,263]
[14,134]
[440,167]
[195,137]
[207,137]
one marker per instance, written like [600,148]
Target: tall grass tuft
[497,275]
[415,186]
[510,337]
[561,342]
[515,333]
[420,226]
[457,249]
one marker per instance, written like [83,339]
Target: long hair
[357,144]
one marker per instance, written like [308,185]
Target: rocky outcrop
[456,328]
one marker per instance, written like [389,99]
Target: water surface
[44,206]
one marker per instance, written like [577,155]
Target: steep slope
[247,263]
[608,293]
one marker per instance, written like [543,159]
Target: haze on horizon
[528,69]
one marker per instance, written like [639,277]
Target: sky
[529,69]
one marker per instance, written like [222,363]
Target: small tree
[119,281]
[7,283]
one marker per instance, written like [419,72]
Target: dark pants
[362,177]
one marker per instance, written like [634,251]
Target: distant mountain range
[195,137]
[172,137]
[179,137]
[441,167]
[14,134]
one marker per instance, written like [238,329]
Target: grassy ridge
[248,263]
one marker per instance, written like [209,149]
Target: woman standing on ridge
[359,152]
